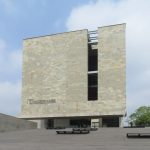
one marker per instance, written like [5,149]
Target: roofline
[113,25]
[8,115]
[68,32]
[53,34]
[68,117]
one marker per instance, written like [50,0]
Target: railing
[92,37]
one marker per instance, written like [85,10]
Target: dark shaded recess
[80,122]
[110,121]
[92,86]
[92,59]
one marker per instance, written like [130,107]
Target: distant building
[75,78]
[10,123]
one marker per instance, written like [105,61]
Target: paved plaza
[103,139]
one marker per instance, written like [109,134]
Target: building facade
[75,78]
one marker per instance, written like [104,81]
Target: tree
[141,117]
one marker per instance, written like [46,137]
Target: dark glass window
[110,121]
[92,77]
[92,60]
[92,87]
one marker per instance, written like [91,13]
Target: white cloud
[136,15]
[10,83]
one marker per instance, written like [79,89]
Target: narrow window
[92,87]
[92,74]
[92,59]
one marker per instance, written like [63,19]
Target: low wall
[8,123]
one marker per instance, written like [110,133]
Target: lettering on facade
[32,101]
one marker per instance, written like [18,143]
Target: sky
[20,19]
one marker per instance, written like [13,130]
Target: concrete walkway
[103,139]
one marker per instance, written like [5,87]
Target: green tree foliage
[141,117]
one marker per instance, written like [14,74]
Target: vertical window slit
[92,74]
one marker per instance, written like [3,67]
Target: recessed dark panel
[92,60]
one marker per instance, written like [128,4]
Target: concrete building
[10,123]
[75,78]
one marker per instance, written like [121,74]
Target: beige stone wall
[111,66]
[55,70]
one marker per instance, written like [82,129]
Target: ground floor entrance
[50,124]
[83,123]
[110,122]
[104,121]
